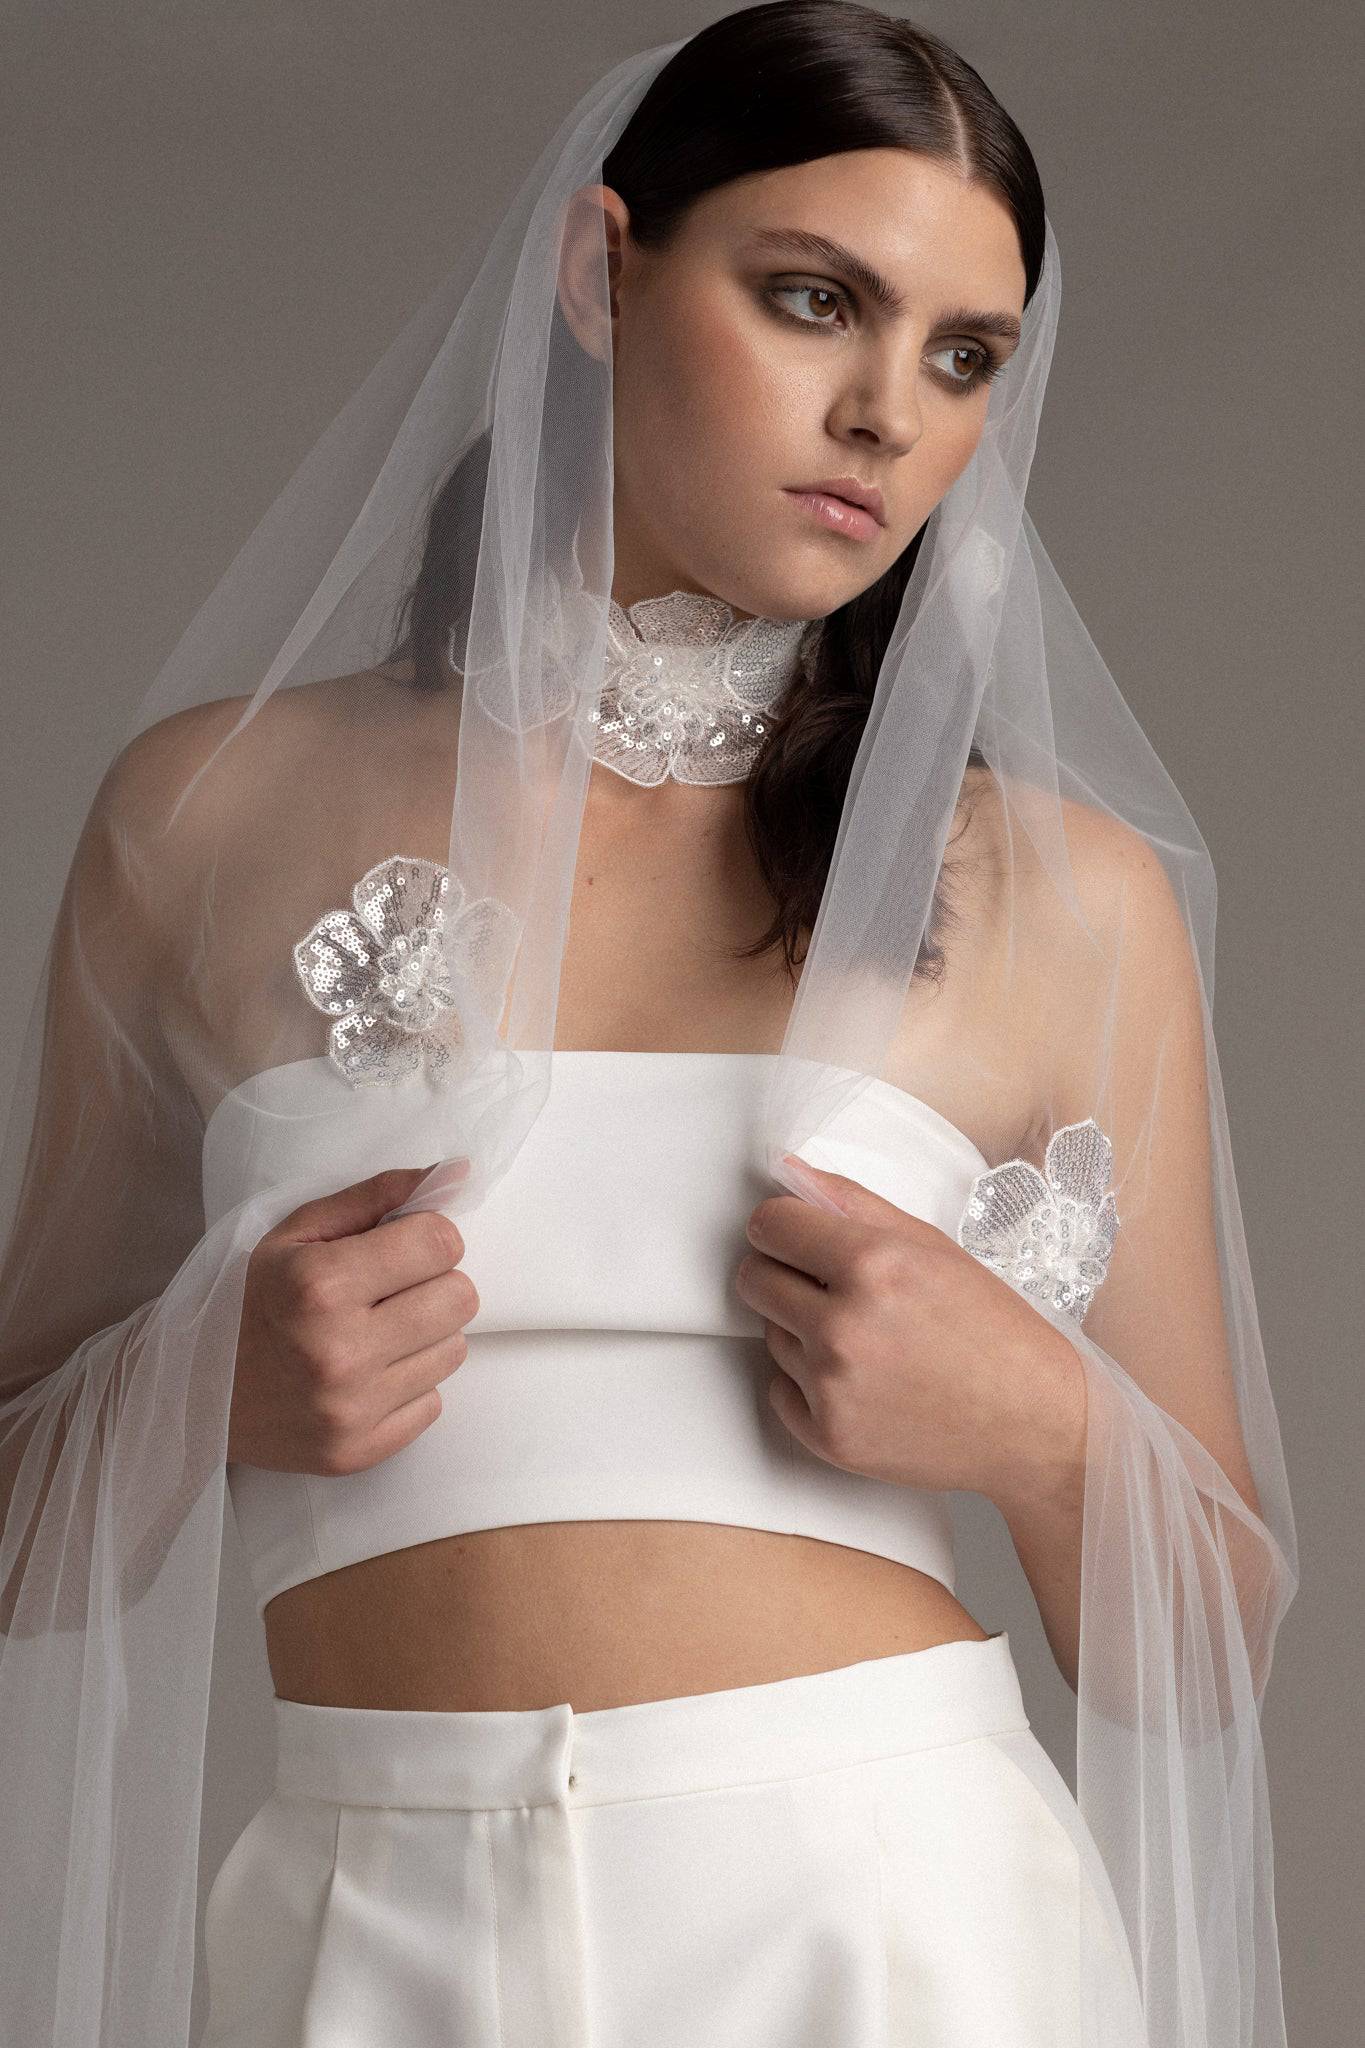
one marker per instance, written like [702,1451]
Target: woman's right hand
[347,1330]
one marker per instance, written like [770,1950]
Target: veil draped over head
[313,901]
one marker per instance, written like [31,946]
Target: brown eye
[822,294]
[973,359]
[981,365]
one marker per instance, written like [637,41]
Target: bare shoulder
[152,768]
[184,791]
[1127,895]
[1049,845]
[1088,932]
[155,769]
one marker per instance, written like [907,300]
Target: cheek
[717,423]
[946,446]
[709,396]
[955,442]
[701,435]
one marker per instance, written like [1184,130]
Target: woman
[600,1536]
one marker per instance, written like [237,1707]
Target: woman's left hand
[901,1355]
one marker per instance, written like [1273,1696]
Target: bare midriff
[596,1613]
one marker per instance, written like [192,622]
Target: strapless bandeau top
[613,1369]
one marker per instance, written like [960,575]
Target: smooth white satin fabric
[614,1372]
[872,1856]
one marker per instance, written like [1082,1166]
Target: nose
[883,402]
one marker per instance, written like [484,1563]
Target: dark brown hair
[765,87]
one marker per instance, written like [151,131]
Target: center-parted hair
[779,84]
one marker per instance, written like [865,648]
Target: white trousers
[874,1856]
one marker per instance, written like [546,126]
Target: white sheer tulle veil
[270,769]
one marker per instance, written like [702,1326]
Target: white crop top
[613,1370]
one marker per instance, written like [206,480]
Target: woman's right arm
[341,1331]
[101,1174]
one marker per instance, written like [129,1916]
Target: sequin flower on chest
[1049,1234]
[688,687]
[379,970]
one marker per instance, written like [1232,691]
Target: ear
[593,211]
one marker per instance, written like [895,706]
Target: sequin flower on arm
[379,970]
[1049,1234]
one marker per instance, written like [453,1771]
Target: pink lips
[866,495]
[838,513]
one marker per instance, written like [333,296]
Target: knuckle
[337,1439]
[838,1446]
[837,1331]
[428,1409]
[314,1281]
[336,1457]
[875,1263]
[332,1410]
[328,1370]
[824,1415]
[832,1422]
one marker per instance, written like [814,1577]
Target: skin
[725,398]
[721,402]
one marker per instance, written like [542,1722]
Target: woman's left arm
[1159,1312]
[904,1356]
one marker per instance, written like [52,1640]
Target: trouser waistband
[883,1706]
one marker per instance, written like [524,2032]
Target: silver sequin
[687,686]
[379,970]
[1049,1234]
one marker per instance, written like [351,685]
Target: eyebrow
[877,288]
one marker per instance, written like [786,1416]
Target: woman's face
[747,368]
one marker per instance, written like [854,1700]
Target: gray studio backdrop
[218,212]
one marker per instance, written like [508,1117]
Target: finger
[792,1409]
[780,1292]
[406,1251]
[422,1314]
[410,1378]
[807,1239]
[788,1351]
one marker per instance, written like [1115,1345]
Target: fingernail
[799,1166]
[808,1176]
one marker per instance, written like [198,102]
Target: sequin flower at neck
[687,688]
[1049,1234]
[379,970]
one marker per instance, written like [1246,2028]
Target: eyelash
[988,367]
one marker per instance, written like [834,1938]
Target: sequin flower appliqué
[688,687]
[379,969]
[1049,1234]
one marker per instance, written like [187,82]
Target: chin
[803,593]
[803,596]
